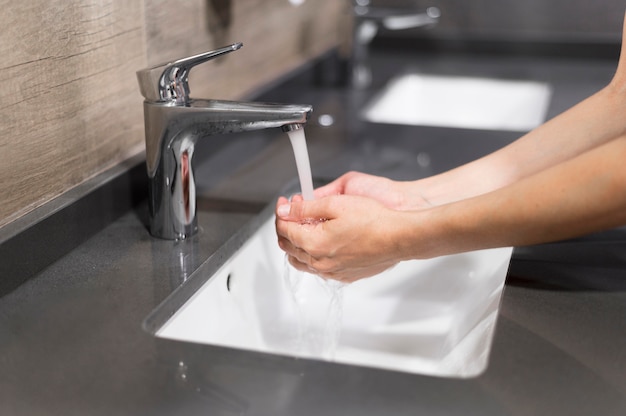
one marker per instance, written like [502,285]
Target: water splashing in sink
[319,305]
[433,317]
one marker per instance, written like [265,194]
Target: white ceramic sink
[431,317]
[462,102]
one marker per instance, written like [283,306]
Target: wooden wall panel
[276,35]
[70,105]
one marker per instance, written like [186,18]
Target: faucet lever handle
[169,82]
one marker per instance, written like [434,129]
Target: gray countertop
[73,337]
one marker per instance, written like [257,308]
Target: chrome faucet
[174,122]
[368,20]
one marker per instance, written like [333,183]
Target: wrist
[420,234]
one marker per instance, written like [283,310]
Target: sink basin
[432,317]
[462,102]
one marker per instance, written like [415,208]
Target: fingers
[307,268]
[293,240]
[300,266]
[312,245]
[292,249]
[340,185]
[302,211]
[283,208]
[343,276]
[334,188]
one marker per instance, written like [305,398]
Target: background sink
[463,102]
[431,317]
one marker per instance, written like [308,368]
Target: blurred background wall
[524,20]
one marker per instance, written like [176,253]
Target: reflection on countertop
[71,336]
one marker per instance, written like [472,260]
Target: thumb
[301,211]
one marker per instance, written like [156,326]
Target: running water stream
[317,332]
[298,143]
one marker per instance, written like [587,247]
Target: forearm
[590,123]
[585,194]
[585,126]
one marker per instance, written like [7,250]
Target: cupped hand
[392,194]
[341,237]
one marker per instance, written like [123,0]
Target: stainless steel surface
[174,122]
[169,82]
[291,127]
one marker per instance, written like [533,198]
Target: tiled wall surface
[70,105]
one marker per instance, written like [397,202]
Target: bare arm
[584,194]
[361,237]
[590,123]
[583,127]
[564,179]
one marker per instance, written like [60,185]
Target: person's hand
[392,194]
[341,237]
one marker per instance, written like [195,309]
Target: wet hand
[341,237]
[392,194]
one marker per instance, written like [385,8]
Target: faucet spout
[173,125]
[235,116]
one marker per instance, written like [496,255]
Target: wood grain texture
[277,37]
[70,105]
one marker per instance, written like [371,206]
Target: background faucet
[173,124]
[368,20]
